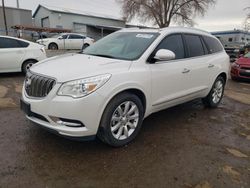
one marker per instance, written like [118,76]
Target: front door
[170,79]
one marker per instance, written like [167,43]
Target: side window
[194,45]
[205,47]
[173,43]
[23,44]
[212,44]
[9,43]
[64,36]
[75,37]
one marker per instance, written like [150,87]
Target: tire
[53,46]
[213,99]
[85,46]
[27,64]
[115,128]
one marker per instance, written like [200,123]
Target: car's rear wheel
[215,96]
[121,120]
[53,46]
[27,65]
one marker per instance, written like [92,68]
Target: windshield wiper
[101,55]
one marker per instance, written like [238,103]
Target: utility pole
[4,17]
[17,4]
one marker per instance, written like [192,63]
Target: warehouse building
[14,16]
[96,24]
[233,37]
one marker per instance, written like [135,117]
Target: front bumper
[240,73]
[48,110]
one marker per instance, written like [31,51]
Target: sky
[225,15]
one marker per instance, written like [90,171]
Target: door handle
[210,66]
[185,71]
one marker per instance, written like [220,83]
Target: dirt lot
[185,146]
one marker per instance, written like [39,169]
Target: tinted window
[205,47]
[76,37]
[23,44]
[9,43]
[194,45]
[64,36]
[175,44]
[213,45]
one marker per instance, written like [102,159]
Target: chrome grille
[38,86]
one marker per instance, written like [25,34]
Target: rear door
[198,63]
[76,41]
[12,52]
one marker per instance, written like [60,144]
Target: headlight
[82,87]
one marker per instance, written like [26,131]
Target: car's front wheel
[121,120]
[215,96]
[53,46]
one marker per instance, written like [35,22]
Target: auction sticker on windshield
[145,36]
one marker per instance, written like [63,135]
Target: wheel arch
[30,59]
[53,42]
[136,91]
[223,75]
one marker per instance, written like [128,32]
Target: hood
[76,66]
[243,61]
[45,39]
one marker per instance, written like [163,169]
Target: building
[96,23]
[14,16]
[233,38]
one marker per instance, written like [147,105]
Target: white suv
[109,88]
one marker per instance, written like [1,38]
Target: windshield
[247,55]
[122,45]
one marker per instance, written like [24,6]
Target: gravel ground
[186,146]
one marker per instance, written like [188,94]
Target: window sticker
[145,36]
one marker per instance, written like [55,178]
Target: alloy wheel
[124,120]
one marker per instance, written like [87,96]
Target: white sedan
[18,55]
[69,41]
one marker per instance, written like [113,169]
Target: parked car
[69,41]
[18,55]
[109,88]
[241,68]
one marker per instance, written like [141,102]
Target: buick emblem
[27,82]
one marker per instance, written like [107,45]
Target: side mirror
[60,38]
[164,55]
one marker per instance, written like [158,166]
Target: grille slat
[38,86]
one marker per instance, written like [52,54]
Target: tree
[163,12]
[247,20]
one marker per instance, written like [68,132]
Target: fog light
[67,122]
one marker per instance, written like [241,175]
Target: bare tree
[162,12]
[247,20]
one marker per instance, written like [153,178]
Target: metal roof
[230,32]
[94,8]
